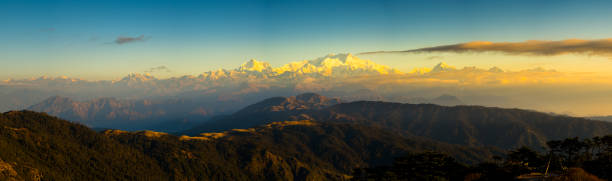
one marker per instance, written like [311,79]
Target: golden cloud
[602,47]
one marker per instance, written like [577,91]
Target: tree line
[567,159]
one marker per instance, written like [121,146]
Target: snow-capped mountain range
[330,66]
[335,74]
[341,65]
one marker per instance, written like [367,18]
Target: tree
[529,159]
[421,166]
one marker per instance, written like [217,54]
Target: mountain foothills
[168,115]
[36,146]
[464,125]
[321,139]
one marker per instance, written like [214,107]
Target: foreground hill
[37,146]
[464,125]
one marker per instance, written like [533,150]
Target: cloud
[601,47]
[158,69]
[123,40]
[434,58]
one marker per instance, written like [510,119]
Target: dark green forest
[568,159]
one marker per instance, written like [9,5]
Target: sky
[108,39]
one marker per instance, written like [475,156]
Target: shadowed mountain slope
[267,111]
[465,125]
[306,101]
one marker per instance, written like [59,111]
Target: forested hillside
[36,145]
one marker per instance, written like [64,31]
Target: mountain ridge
[601,118]
[127,114]
[464,125]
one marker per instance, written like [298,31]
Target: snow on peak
[335,65]
[46,78]
[255,66]
[215,74]
[443,67]
[330,65]
[138,77]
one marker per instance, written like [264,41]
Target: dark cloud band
[532,47]
[123,40]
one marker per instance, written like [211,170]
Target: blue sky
[76,38]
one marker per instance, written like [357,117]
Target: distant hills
[36,146]
[443,100]
[177,114]
[166,115]
[601,118]
[464,125]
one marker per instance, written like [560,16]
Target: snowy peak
[45,80]
[336,65]
[59,78]
[254,66]
[443,67]
[214,75]
[332,58]
[341,65]
[138,77]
